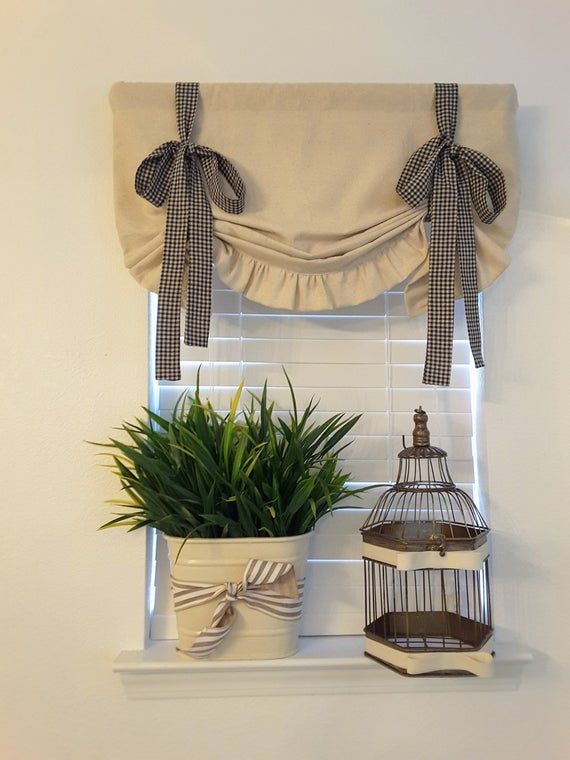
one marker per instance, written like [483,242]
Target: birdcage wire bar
[431,610]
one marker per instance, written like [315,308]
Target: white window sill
[323,665]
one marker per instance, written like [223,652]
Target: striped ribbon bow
[451,178]
[178,172]
[267,586]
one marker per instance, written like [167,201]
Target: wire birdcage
[426,569]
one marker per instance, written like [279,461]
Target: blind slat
[314,351]
[313,327]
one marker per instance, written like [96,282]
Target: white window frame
[334,589]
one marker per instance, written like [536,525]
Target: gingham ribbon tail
[451,179]
[183,174]
[269,587]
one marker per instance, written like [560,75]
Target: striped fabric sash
[269,587]
[184,174]
[452,179]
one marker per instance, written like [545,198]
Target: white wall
[74,352]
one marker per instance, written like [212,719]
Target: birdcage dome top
[424,509]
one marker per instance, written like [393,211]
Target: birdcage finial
[421,433]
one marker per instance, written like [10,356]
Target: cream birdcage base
[431,654]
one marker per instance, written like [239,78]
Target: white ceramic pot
[254,635]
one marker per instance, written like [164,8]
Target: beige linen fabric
[323,226]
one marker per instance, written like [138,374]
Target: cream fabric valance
[323,226]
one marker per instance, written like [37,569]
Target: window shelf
[323,665]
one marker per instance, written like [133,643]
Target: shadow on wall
[532,127]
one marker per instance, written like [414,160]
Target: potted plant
[236,496]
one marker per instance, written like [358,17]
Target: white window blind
[367,359]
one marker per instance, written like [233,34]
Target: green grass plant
[246,473]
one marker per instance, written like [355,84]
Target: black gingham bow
[179,172]
[451,177]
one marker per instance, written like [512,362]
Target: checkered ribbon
[178,172]
[451,178]
[267,586]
